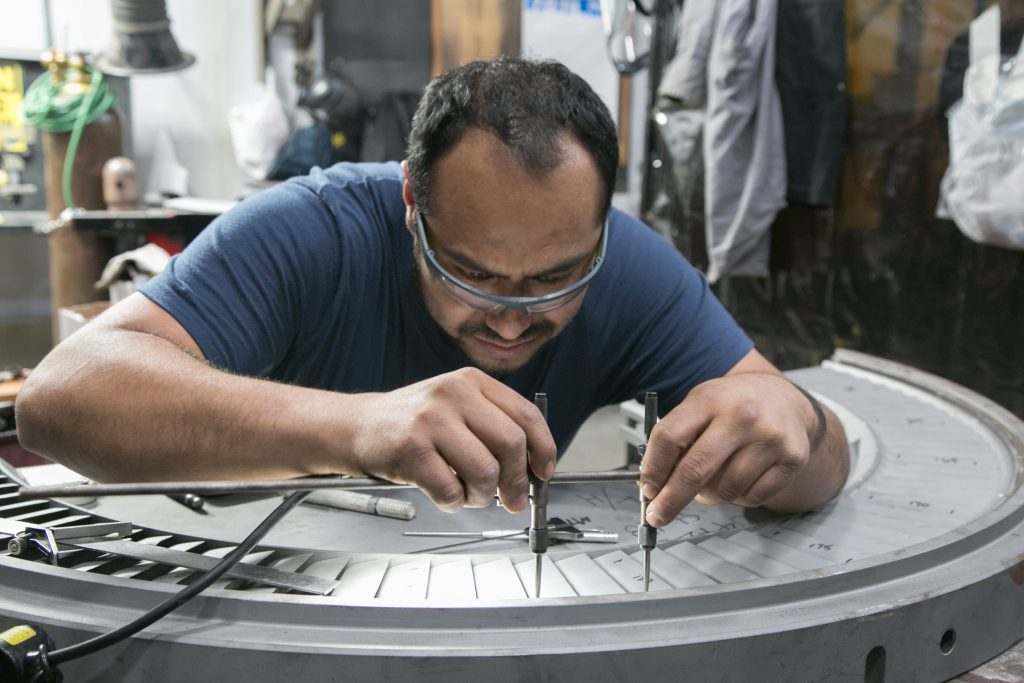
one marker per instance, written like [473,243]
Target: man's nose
[510,323]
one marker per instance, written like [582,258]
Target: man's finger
[740,472]
[707,497]
[473,463]
[770,484]
[668,441]
[527,417]
[691,474]
[506,424]
[433,475]
[504,443]
[531,428]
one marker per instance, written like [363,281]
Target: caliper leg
[647,535]
[538,509]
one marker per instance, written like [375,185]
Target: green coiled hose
[46,106]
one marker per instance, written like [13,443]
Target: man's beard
[540,329]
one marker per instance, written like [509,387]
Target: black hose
[87,647]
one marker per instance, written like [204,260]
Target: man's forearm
[124,405]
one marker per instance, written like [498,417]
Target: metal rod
[311,484]
[646,534]
[538,509]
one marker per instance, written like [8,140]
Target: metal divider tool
[646,534]
[538,508]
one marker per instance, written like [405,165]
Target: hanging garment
[744,147]
[810,74]
[679,114]
[731,43]
[686,76]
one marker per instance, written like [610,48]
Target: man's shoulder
[623,221]
[343,199]
[354,176]
[636,247]
[642,266]
[322,214]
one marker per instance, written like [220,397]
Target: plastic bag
[983,188]
[259,128]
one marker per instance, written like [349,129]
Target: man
[393,320]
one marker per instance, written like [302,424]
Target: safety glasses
[492,303]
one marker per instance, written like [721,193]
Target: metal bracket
[304,583]
[48,539]
[112,538]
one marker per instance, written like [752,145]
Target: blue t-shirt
[312,283]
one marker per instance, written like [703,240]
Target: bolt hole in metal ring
[947,642]
[874,665]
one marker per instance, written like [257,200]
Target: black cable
[66,654]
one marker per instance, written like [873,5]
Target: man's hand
[744,438]
[458,436]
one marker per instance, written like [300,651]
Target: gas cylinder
[77,257]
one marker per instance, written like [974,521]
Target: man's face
[511,232]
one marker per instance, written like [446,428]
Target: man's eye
[476,276]
[551,279]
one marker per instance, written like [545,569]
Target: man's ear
[409,199]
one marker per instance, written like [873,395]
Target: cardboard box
[71,318]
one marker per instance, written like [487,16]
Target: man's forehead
[481,177]
[519,252]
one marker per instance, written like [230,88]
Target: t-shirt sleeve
[237,288]
[675,334]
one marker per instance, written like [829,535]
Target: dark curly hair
[527,104]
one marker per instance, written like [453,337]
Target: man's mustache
[476,328]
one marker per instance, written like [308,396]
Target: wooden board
[9,389]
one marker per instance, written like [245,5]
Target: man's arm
[130,398]
[744,438]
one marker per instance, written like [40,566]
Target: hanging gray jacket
[732,44]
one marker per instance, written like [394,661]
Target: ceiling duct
[142,41]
